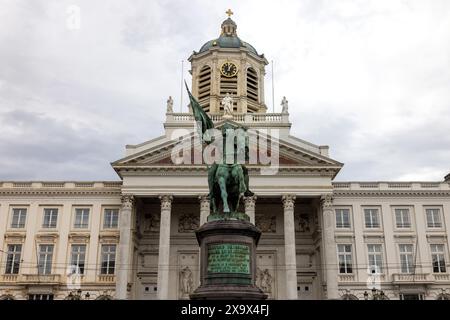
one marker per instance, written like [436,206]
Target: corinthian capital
[249,202]
[327,201]
[127,201]
[288,201]
[166,202]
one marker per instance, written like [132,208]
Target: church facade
[134,238]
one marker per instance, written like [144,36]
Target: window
[375,258]
[342,218]
[50,218]
[433,218]
[108,259]
[252,86]
[372,218]
[18,218]
[111,219]
[45,259]
[345,258]
[81,218]
[402,219]
[406,258]
[204,88]
[438,258]
[13,258]
[78,256]
[40,297]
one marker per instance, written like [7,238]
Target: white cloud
[368,78]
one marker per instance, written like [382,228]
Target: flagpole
[181,91]
[273,90]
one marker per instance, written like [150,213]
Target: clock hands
[229,69]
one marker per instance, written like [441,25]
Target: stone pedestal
[228,261]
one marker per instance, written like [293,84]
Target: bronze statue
[227,182]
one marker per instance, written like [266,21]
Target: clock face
[229,69]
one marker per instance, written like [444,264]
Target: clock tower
[228,65]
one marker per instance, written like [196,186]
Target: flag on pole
[204,122]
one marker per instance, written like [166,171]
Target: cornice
[109,238]
[169,170]
[15,236]
[392,193]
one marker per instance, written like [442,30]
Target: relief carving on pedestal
[302,223]
[264,280]
[266,223]
[151,222]
[186,282]
[188,223]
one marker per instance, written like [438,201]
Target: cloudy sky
[371,79]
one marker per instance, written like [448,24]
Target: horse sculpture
[229,186]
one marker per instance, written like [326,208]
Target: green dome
[228,39]
[228,42]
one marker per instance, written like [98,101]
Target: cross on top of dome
[229,26]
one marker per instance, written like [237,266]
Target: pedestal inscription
[228,258]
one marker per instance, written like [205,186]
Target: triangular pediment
[290,154]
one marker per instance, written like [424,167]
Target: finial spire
[229,26]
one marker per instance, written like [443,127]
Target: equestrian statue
[227,182]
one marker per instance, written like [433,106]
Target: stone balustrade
[106,278]
[41,278]
[59,184]
[248,118]
[412,278]
[346,278]
[391,186]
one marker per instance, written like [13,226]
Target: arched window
[204,87]
[7,297]
[104,297]
[252,89]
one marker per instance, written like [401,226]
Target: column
[359,247]
[204,209]
[289,247]
[329,246]
[124,253]
[250,207]
[423,249]
[164,247]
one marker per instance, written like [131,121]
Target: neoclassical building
[134,238]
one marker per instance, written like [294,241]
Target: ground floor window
[411,296]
